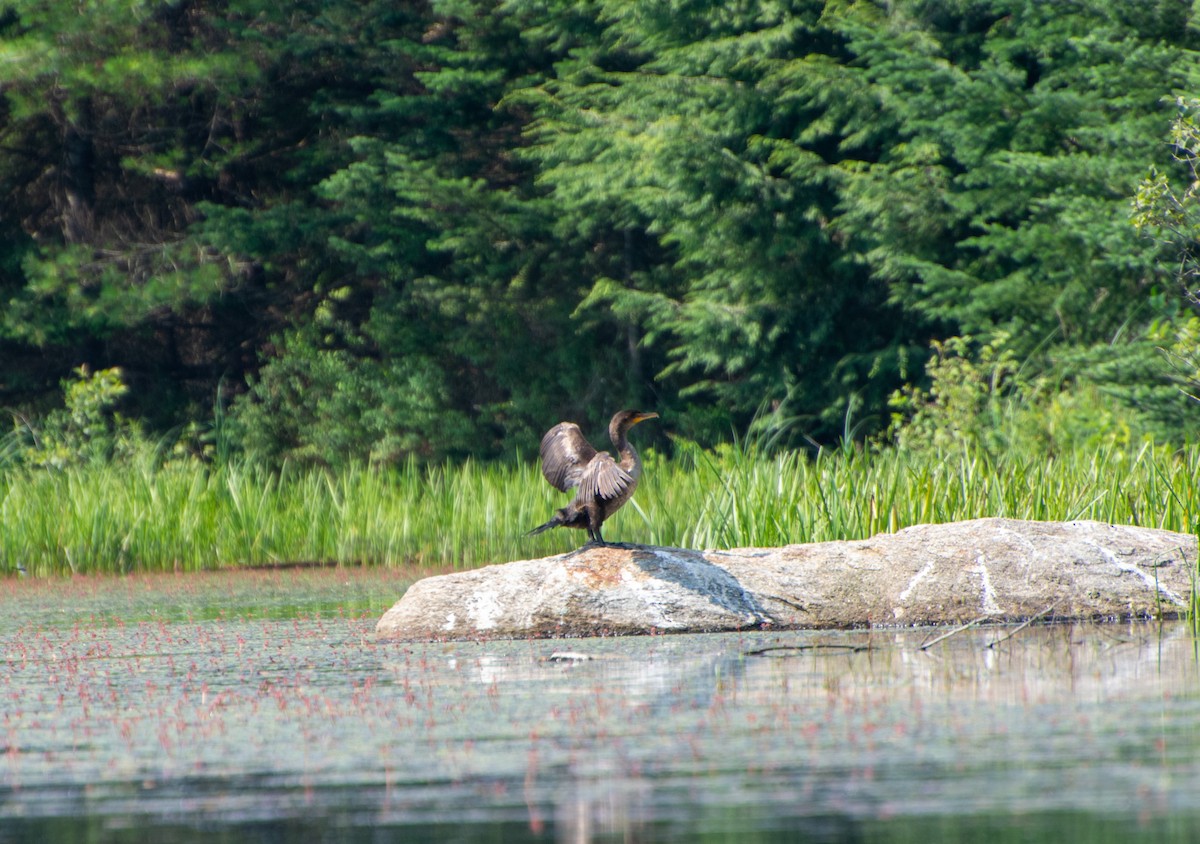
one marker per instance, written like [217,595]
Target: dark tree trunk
[77,177]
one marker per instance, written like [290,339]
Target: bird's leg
[594,537]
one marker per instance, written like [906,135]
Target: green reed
[110,519]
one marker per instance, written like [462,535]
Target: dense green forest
[330,231]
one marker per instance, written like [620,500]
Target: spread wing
[603,478]
[565,455]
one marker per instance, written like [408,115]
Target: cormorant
[602,484]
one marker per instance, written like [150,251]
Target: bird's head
[626,419]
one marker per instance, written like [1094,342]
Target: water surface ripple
[136,712]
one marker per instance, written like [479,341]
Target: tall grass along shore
[187,517]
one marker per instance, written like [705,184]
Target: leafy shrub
[330,407]
[981,397]
[1182,350]
[87,429]
[1168,210]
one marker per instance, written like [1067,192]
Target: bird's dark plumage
[601,482]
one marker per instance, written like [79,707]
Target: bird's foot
[600,543]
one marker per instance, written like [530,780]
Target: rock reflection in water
[1064,720]
[272,729]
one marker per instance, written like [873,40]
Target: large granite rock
[1001,569]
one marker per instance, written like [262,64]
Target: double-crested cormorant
[602,484]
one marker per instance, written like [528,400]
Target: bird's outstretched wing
[565,455]
[603,478]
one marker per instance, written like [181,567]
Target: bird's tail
[553,523]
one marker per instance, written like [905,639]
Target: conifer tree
[692,149]
[1021,132]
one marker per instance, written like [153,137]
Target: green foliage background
[428,230]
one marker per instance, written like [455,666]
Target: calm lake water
[259,707]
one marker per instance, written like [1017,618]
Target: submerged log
[996,569]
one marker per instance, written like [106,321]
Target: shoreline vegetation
[142,517]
